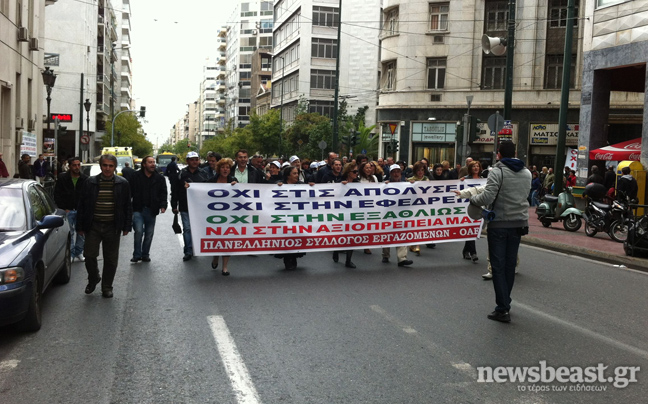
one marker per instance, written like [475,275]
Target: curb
[639,264]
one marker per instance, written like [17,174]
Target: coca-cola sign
[603,156]
[633,146]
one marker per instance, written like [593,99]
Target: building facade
[305,54]
[613,101]
[253,30]
[428,68]
[22,32]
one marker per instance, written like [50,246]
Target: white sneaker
[80,259]
[487,276]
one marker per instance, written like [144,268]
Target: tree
[167,146]
[128,132]
[310,128]
[367,141]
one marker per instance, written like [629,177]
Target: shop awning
[628,150]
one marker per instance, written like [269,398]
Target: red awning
[628,150]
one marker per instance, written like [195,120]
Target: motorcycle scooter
[560,209]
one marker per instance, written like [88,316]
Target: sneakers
[487,276]
[135,259]
[501,316]
[80,258]
[466,256]
[405,263]
[474,258]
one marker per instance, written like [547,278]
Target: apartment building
[22,31]
[613,100]
[305,53]
[252,31]
[432,59]
[213,92]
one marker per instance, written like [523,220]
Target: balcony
[102,78]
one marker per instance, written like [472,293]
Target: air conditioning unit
[33,44]
[23,34]
[32,125]
[20,123]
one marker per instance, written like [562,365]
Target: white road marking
[9,364]
[234,366]
[592,334]
[464,367]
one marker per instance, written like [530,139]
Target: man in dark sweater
[66,195]
[149,191]
[104,212]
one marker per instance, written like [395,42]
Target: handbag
[176,226]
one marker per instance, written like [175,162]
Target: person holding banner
[290,175]
[191,173]
[419,174]
[223,169]
[349,174]
[335,175]
[395,175]
[470,248]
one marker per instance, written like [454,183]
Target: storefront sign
[487,135]
[62,117]
[28,145]
[436,132]
[546,134]
[246,219]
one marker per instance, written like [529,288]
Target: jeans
[186,233]
[105,234]
[503,246]
[143,225]
[77,240]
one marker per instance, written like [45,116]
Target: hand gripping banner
[268,219]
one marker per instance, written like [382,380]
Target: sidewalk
[600,247]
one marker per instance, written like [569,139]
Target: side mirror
[50,222]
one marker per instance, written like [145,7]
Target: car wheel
[65,273]
[32,321]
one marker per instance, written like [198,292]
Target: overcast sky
[171,41]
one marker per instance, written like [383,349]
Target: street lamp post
[49,78]
[87,104]
[283,66]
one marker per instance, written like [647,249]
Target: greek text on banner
[268,219]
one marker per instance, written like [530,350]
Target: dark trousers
[102,233]
[470,247]
[503,246]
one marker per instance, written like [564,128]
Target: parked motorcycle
[613,219]
[560,208]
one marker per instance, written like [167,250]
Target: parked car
[90,169]
[34,251]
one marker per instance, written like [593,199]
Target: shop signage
[546,134]
[61,117]
[437,132]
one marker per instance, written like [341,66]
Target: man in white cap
[191,173]
[395,175]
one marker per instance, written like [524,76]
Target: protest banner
[243,219]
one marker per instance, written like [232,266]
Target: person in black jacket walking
[149,191]
[66,195]
[189,174]
[104,211]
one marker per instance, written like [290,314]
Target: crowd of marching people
[257,169]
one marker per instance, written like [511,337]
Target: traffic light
[354,138]
[460,132]
[473,129]
[142,112]
[394,146]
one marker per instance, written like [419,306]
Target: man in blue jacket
[506,190]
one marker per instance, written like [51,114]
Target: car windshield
[164,160]
[12,210]
[121,160]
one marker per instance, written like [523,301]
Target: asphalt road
[179,332]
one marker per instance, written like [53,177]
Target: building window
[326,16]
[558,13]
[324,48]
[265,41]
[390,26]
[389,75]
[494,73]
[245,76]
[439,16]
[436,73]
[323,79]
[605,3]
[554,72]
[324,108]
[496,16]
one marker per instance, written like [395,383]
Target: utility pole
[334,146]
[77,136]
[564,101]
[510,46]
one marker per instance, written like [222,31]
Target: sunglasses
[355,171]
